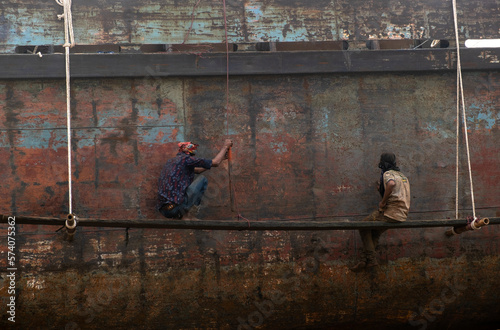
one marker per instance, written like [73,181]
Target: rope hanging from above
[460,93]
[69,37]
[69,41]
[232,190]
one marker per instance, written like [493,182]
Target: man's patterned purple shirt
[176,176]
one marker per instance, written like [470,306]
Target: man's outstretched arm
[221,155]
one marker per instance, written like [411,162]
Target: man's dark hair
[388,162]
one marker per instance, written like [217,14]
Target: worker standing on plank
[394,188]
[178,191]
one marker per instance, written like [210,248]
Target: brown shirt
[398,203]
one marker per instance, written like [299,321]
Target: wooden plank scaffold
[260,225]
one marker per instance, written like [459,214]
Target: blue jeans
[192,196]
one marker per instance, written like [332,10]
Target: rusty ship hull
[317,90]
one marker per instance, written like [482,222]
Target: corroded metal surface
[304,146]
[249,63]
[32,22]
[276,280]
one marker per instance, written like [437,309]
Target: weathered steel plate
[33,22]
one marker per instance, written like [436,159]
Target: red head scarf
[187,147]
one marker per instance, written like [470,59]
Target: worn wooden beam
[244,225]
[23,66]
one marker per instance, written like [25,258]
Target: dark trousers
[370,237]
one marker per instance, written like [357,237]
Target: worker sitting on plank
[178,191]
[394,188]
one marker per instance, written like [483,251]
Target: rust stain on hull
[279,280]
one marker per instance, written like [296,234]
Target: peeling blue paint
[482,118]
[233,132]
[85,142]
[489,119]
[56,138]
[161,135]
[154,31]
[279,147]
[322,124]
[113,114]
[483,115]
[35,123]
[4,139]
[150,117]
[272,23]
[398,32]
[253,12]
[36,139]
[28,28]
[36,23]
[268,122]
[439,128]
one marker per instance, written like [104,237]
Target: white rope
[460,90]
[69,37]
[69,41]
[473,225]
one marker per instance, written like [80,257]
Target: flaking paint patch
[482,117]
[38,139]
[282,22]
[279,147]
[487,56]
[4,139]
[43,246]
[439,129]
[253,12]
[23,31]
[342,188]
[36,283]
[399,32]
[130,22]
[322,124]
[160,135]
